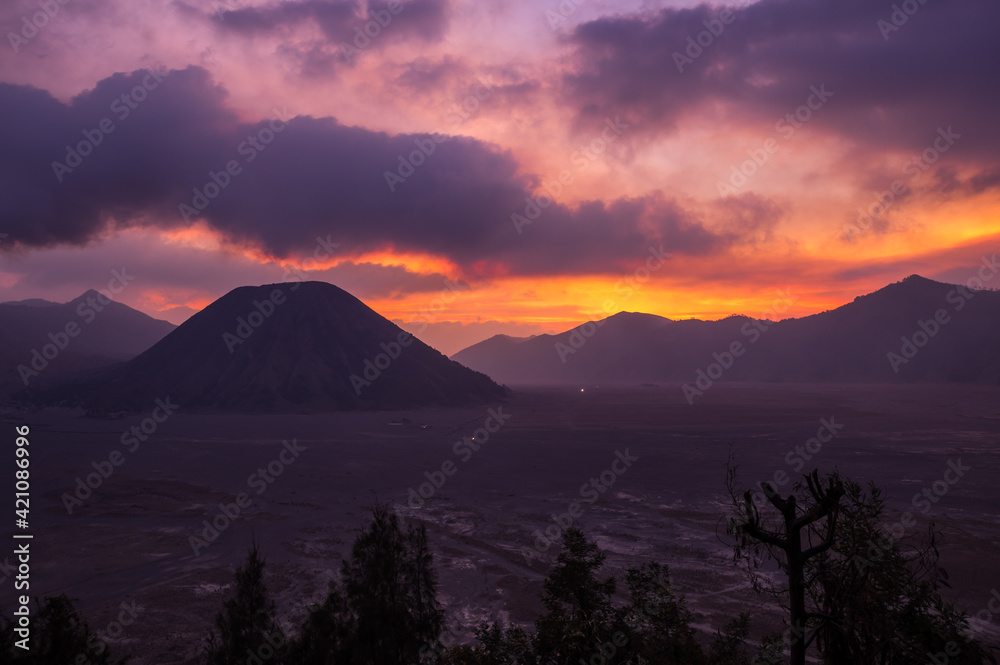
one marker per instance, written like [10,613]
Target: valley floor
[658,466]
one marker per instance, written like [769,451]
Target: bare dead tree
[802,533]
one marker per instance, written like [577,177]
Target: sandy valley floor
[129,541]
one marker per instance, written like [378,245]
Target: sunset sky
[738,140]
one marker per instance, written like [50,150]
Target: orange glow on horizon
[414,262]
[707,288]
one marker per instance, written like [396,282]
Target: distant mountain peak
[916,279]
[291,347]
[635,319]
[636,316]
[850,343]
[912,286]
[102,335]
[513,338]
[89,293]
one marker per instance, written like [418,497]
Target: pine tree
[246,627]
[659,623]
[386,610]
[326,633]
[391,590]
[60,636]
[580,616]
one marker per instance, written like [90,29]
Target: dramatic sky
[509,166]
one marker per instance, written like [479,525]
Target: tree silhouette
[246,627]
[386,610]
[882,592]
[658,621]
[792,544]
[582,625]
[580,614]
[59,636]
[325,635]
[862,595]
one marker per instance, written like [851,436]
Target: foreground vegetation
[854,590]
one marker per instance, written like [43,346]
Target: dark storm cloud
[181,121]
[893,87]
[290,183]
[338,19]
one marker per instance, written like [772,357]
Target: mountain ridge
[47,343]
[635,348]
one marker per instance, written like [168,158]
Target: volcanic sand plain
[130,540]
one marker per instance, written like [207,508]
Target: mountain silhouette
[44,342]
[32,302]
[862,341]
[295,347]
